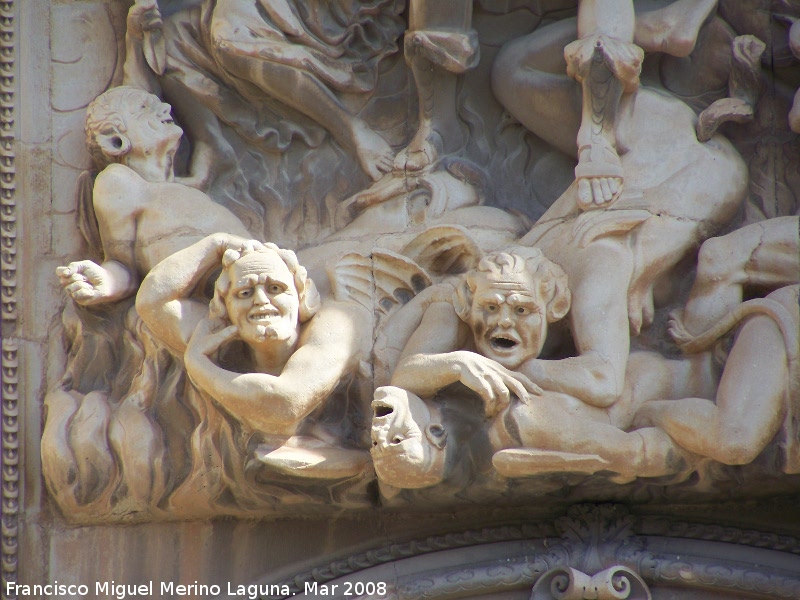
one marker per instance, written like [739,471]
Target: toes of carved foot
[599,191]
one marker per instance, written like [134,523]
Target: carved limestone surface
[570,584]
[349,255]
[627,555]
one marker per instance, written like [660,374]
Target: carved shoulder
[116,187]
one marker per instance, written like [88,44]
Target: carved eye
[437,435]
[275,289]
[245,293]
[436,430]
[492,308]
[522,310]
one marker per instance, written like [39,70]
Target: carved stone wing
[444,250]
[381,281]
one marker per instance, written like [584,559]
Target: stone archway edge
[590,539]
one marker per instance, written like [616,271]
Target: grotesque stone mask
[508,302]
[408,440]
[262,300]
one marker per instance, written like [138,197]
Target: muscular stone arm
[588,377]
[116,196]
[599,325]
[114,200]
[433,360]
[330,347]
[393,338]
[163,300]
[428,362]
[136,71]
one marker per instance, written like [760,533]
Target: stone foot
[599,175]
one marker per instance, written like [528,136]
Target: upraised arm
[145,54]
[164,300]
[331,346]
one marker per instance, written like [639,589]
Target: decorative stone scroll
[342,255]
[614,583]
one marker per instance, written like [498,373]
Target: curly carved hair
[106,115]
[306,289]
[548,276]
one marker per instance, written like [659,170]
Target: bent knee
[735,448]
[505,66]
[721,262]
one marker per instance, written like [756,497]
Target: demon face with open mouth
[507,318]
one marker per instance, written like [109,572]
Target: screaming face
[507,319]
[262,301]
[407,440]
[151,130]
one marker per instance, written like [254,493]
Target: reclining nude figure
[552,432]
[295,350]
[678,191]
[484,337]
[142,213]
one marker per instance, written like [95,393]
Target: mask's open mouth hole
[503,343]
[381,410]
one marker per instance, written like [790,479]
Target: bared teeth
[263,316]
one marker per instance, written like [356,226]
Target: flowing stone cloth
[340,42]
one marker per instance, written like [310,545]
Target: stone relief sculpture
[615,257]
[258,77]
[139,216]
[497,354]
[765,255]
[142,214]
[410,438]
[295,352]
